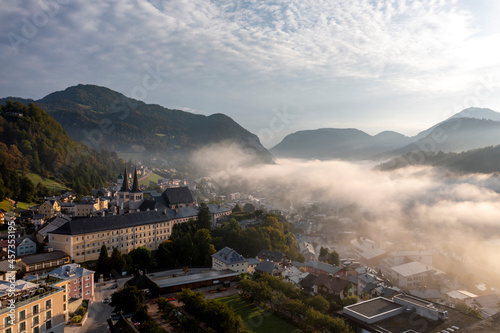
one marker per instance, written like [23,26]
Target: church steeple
[135,184]
[125,186]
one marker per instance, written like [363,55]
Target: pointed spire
[135,184]
[125,186]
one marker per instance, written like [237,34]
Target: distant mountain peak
[478,113]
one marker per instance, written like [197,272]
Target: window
[9,330]
[22,315]
[48,315]
[77,247]
[64,306]
[48,325]
[48,304]
[64,297]
[35,309]
[6,321]
[22,326]
[36,321]
[67,239]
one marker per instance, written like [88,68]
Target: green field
[153,177]
[256,319]
[6,205]
[48,183]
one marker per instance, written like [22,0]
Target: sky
[275,67]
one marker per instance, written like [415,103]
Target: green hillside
[37,155]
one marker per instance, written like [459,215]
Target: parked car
[107,301]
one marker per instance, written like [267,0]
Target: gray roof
[331,269]
[59,221]
[192,278]
[70,271]
[110,222]
[41,257]
[177,195]
[270,255]
[266,267]
[228,256]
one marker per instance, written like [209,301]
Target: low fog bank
[456,214]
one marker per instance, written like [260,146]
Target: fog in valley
[456,216]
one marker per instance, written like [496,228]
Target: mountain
[482,160]
[332,143]
[32,142]
[103,118]
[469,129]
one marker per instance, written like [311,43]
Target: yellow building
[49,208]
[228,258]
[82,239]
[31,307]
[86,208]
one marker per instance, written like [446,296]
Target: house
[307,249]
[269,268]
[333,286]
[460,296]
[26,247]
[294,275]
[432,295]
[39,308]
[41,235]
[80,280]
[228,258]
[49,208]
[122,325]
[7,269]
[44,262]
[318,267]
[488,304]
[219,213]
[252,263]
[2,215]
[413,274]
[90,206]
[307,283]
[274,256]
[367,251]
[38,220]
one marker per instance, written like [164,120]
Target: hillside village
[372,287]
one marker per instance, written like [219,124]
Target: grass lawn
[152,177]
[48,183]
[6,205]
[256,319]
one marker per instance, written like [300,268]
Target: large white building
[413,274]
[228,258]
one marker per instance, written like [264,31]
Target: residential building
[219,214]
[80,280]
[26,247]
[90,207]
[228,258]
[49,208]
[44,262]
[307,250]
[274,256]
[252,263]
[460,296]
[234,196]
[413,274]
[318,267]
[333,286]
[38,220]
[2,215]
[37,308]
[367,251]
[269,268]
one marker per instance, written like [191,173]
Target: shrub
[76,319]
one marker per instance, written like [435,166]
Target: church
[129,200]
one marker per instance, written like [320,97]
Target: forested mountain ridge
[103,118]
[31,141]
[483,160]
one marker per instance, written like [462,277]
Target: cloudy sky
[274,66]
